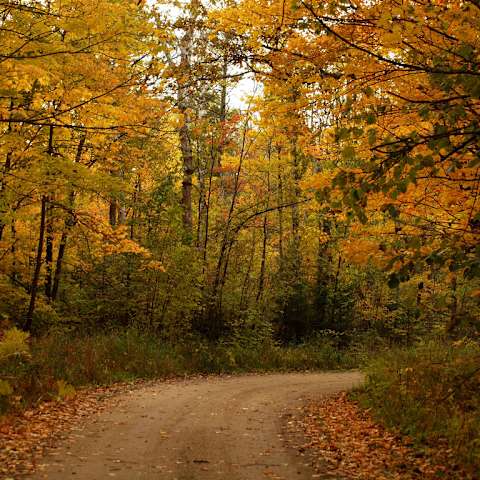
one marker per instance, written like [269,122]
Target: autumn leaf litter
[27,436]
[342,441]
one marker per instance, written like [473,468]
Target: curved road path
[200,429]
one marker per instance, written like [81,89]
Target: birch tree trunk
[185,129]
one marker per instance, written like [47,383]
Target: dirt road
[214,428]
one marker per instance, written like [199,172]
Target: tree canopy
[341,196]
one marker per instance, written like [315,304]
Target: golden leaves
[347,442]
[14,343]
[154,265]
[318,181]
[361,251]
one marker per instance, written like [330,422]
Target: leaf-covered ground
[346,443]
[25,436]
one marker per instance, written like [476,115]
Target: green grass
[103,359]
[430,392]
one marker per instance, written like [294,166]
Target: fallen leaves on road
[345,442]
[24,437]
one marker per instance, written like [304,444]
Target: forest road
[212,428]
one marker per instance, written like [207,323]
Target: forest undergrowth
[54,366]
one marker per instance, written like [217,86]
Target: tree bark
[122,215]
[49,249]
[202,202]
[187,181]
[13,231]
[207,215]
[243,297]
[49,231]
[185,130]
[226,241]
[280,214]
[297,176]
[6,168]
[38,265]
[136,196]
[454,318]
[112,212]
[68,224]
[261,280]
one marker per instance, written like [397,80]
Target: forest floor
[249,427]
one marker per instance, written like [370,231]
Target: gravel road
[199,429]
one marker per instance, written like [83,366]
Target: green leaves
[391,210]
[370,118]
[5,388]
[348,153]
[393,280]
[372,136]
[294,5]
[342,134]
[427,161]
[402,275]
[368,91]
[466,51]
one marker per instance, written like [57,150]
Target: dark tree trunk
[280,215]
[69,223]
[38,266]
[261,280]
[454,318]
[226,241]
[49,231]
[6,169]
[187,183]
[112,212]
[245,286]
[207,214]
[297,176]
[49,249]
[13,231]
[59,263]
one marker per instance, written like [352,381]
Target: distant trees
[133,193]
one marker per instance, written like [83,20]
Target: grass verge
[59,363]
[430,393]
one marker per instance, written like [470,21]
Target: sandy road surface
[214,428]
